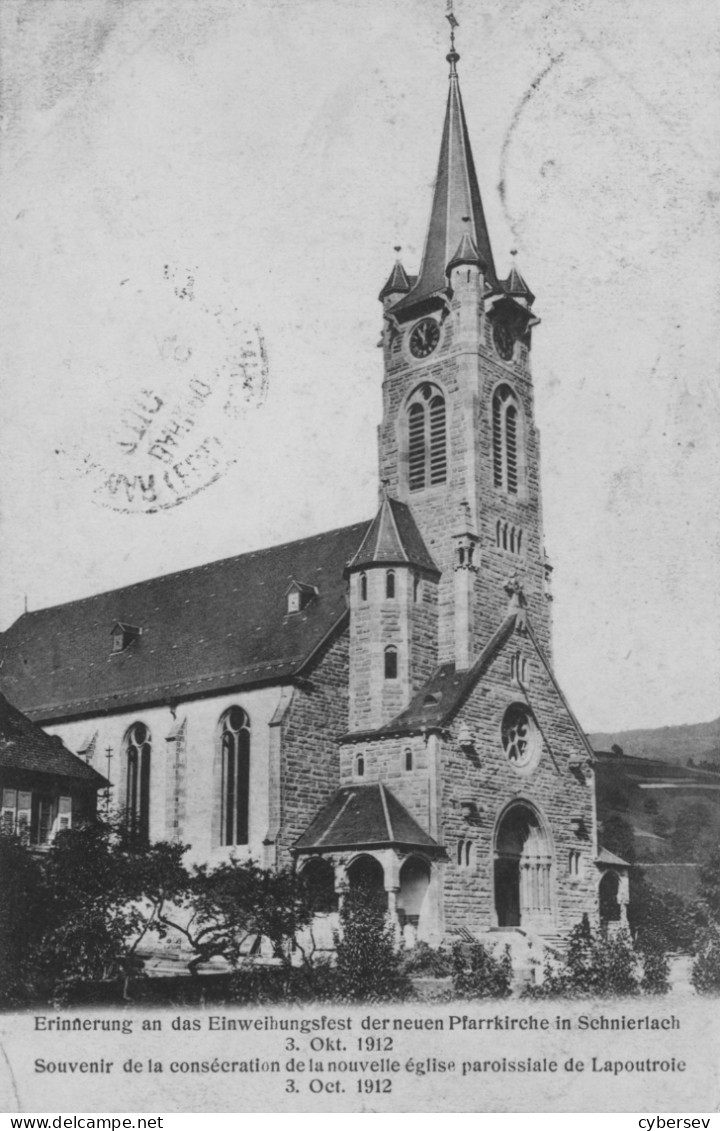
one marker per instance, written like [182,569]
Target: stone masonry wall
[403,622]
[466,367]
[317,717]
[487,779]
[384,761]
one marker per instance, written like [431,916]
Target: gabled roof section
[360,816]
[393,539]
[443,693]
[440,697]
[218,626]
[24,746]
[456,195]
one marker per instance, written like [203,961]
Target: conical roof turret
[515,285]
[398,282]
[393,539]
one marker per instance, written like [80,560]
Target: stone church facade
[378,702]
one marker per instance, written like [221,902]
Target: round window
[520,736]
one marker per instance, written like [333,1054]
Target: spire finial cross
[453,56]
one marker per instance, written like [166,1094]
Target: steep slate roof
[205,629]
[358,816]
[398,282]
[24,746]
[516,286]
[393,539]
[456,194]
[604,856]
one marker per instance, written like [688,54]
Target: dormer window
[299,596]
[123,635]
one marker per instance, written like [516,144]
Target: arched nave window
[137,782]
[235,742]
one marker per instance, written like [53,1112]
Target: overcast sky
[175,174]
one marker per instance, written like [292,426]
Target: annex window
[360,766]
[363,587]
[235,742]
[34,817]
[390,584]
[16,813]
[391,662]
[137,783]
[505,433]
[408,759]
[427,438]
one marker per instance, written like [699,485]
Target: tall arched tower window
[235,741]
[426,438]
[137,783]
[505,434]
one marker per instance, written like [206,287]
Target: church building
[377,702]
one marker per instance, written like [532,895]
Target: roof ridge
[185,572]
[386,811]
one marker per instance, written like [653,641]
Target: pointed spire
[456,194]
[398,283]
[515,285]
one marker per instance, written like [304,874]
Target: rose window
[519,736]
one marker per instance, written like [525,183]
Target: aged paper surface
[181,180]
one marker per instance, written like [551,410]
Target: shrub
[478,973]
[661,919]
[223,909]
[368,967]
[656,967]
[705,975]
[709,886]
[435,962]
[595,964]
[22,924]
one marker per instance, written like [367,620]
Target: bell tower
[457,442]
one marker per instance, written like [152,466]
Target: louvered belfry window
[505,440]
[427,439]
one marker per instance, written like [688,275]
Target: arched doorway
[609,901]
[523,870]
[319,875]
[414,883]
[366,880]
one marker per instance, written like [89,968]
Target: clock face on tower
[504,340]
[424,338]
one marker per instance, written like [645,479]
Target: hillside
[699,741]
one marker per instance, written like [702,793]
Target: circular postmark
[171,431]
